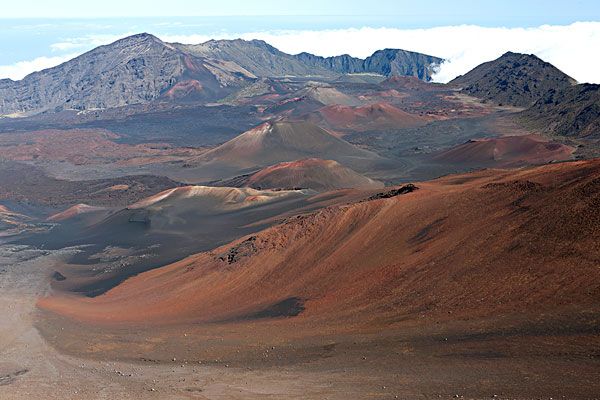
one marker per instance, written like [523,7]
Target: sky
[40,34]
[438,11]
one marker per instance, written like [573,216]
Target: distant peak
[512,54]
[258,41]
[514,78]
[143,35]
[238,40]
[140,38]
[239,43]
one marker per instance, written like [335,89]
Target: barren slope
[465,247]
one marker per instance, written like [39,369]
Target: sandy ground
[422,366]
[31,369]
[338,368]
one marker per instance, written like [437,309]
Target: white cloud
[572,48]
[74,47]
[62,46]
[86,42]
[23,68]
[195,38]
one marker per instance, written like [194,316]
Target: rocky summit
[513,79]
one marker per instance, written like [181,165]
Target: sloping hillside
[459,248]
[274,142]
[574,112]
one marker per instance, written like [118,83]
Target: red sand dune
[506,151]
[310,173]
[488,244]
[363,118]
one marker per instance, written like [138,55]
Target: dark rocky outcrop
[408,188]
[513,79]
[244,249]
[57,276]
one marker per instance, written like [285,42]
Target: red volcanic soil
[310,173]
[487,246]
[506,151]
[294,106]
[184,89]
[363,118]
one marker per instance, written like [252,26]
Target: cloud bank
[571,48]
[86,42]
[23,68]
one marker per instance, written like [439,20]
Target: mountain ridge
[142,68]
[136,69]
[386,62]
